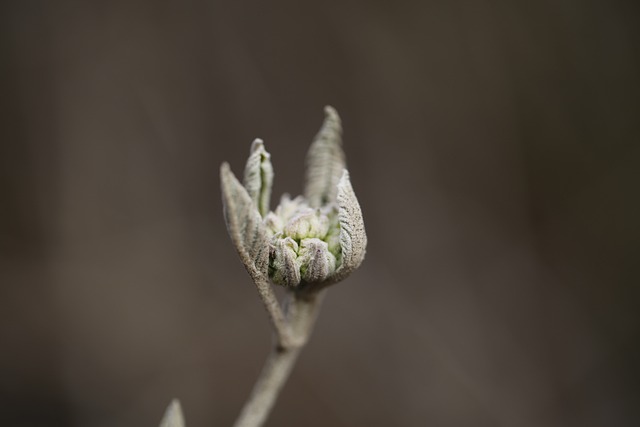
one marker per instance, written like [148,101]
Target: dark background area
[494,147]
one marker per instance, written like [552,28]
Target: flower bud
[285,270]
[273,224]
[307,223]
[289,207]
[315,261]
[319,238]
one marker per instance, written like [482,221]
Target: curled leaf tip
[331,113]
[256,144]
[258,176]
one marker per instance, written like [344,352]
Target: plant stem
[276,315]
[265,392]
[301,316]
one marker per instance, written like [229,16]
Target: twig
[305,244]
[281,326]
[301,316]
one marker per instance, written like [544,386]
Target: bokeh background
[494,147]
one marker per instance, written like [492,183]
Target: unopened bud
[315,261]
[308,223]
[285,269]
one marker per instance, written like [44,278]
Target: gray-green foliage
[318,238]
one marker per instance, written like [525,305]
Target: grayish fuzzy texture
[325,161]
[318,261]
[287,245]
[173,415]
[258,176]
[249,236]
[287,271]
[244,222]
[302,314]
[353,238]
[327,185]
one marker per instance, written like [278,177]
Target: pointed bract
[353,238]
[173,415]
[244,223]
[258,176]
[325,161]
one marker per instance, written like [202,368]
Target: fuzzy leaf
[316,262]
[173,415]
[244,223]
[325,161]
[353,238]
[286,271]
[258,176]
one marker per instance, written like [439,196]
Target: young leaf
[244,223]
[258,176]
[353,238]
[173,415]
[325,161]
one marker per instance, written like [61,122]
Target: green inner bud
[304,242]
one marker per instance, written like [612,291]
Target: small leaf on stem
[244,223]
[353,238]
[173,415]
[258,176]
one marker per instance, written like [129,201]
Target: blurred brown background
[494,146]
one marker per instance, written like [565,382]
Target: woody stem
[301,316]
